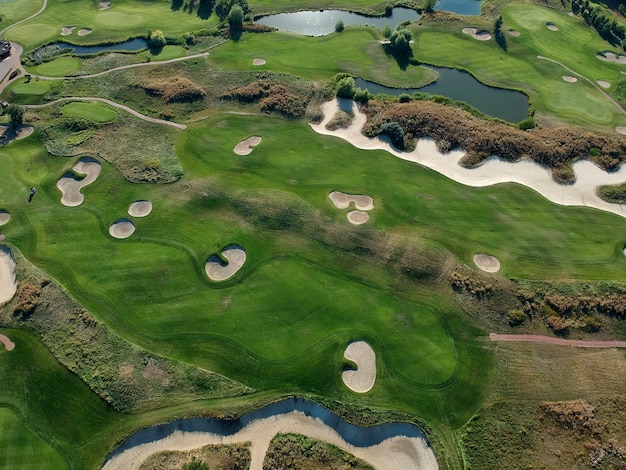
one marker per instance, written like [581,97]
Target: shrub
[28,298]
[516,317]
[156,39]
[339,26]
[395,133]
[362,96]
[404,98]
[176,89]
[345,88]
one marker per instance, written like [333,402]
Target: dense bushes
[271,98]
[452,127]
[175,90]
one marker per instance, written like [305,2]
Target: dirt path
[115,105]
[560,341]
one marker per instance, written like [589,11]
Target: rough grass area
[128,378]
[295,451]
[214,457]
[142,151]
[613,193]
[453,128]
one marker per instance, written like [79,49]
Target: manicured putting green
[91,111]
[22,449]
[59,67]
[115,20]
[31,88]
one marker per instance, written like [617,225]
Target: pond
[510,105]
[321,23]
[58,47]
[460,7]
[357,436]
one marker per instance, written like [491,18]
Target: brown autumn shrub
[28,298]
[175,90]
[576,414]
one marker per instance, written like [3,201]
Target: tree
[156,39]
[401,41]
[395,133]
[235,18]
[387,31]
[429,6]
[16,114]
[339,26]
[499,35]
[345,88]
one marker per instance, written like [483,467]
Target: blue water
[132,45]
[321,23]
[358,436]
[460,7]
[510,105]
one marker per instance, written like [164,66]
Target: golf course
[219,249]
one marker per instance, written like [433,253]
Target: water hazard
[59,47]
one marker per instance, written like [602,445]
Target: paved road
[559,341]
[9,64]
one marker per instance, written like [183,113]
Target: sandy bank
[569,79]
[246,147]
[140,208]
[343,200]
[478,35]
[67,30]
[514,33]
[603,83]
[362,379]
[607,56]
[8,344]
[487,263]
[259,62]
[70,186]
[357,217]
[552,27]
[215,268]
[493,171]
[84,31]
[4,217]
[121,228]
[8,283]
[397,453]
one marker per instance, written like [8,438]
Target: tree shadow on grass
[402,58]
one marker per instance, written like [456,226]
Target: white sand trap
[607,56]
[620,130]
[122,228]
[70,186]
[569,79]
[603,83]
[246,147]
[84,31]
[343,200]
[478,35]
[396,453]
[514,33]
[8,344]
[23,131]
[552,26]
[363,378]
[105,5]
[487,263]
[218,271]
[357,217]
[140,208]
[4,217]
[8,283]
[259,62]
[493,171]
[67,30]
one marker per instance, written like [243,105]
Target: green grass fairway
[59,67]
[574,45]
[22,449]
[356,51]
[126,18]
[92,111]
[168,52]
[23,92]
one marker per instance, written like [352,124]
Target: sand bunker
[122,228]
[493,171]
[23,131]
[70,186]
[8,284]
[357,217]
[259,62]
[67,30]
[246,147]
[603,83]
[8,344]
[363,378]
[140,208]
[607,56]
[343,200]
[552,26]
[105,5]
[487,263]
[620,130]
[512,32]
[218,271]
[569,79]
[396,453]
[479,35]
[84,31]
[4,217]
